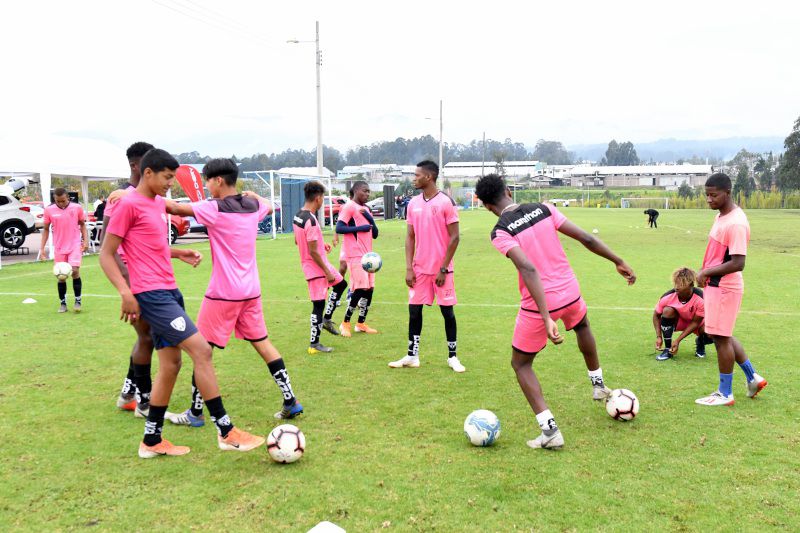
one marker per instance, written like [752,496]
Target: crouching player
[233,298]
[528,235]
[680,309]
[139,224]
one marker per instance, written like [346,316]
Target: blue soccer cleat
[290,412]
[186,418]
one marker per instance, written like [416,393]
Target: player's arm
[343,228]
[736,264]
[45,236]
[598,247]
[530,276]
[122,267]
[130,307]
[192,257]
[411,240]
[452,245]
[371,220]
[317,258]
[84,235]
[688,330]
[181,210]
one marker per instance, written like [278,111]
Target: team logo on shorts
[179,324]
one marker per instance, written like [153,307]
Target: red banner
[192,182]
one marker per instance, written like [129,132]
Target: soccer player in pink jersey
[431,243]
[357,228]
[721,276]
[528,235]
[140,225]
[318,271]
[68,223]
[680,309]
[233,299]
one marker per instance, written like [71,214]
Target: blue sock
[726,383]
[748,370]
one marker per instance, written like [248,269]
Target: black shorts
[169,323]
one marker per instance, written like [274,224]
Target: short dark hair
[719,180]
[312,189]
[222,167]
[137,150]
[357,185]
[60,191]
[157,160]
[490,188]
[430,166]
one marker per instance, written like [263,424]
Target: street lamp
[441,144]
[319,98]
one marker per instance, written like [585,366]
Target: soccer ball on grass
[286,443]
[482,428]
[622,404]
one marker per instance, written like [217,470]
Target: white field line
[42,273]
[479,305]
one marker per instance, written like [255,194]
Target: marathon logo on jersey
[178,324]
[531,214]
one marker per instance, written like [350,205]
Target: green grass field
[385,447]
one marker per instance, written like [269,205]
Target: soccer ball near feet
[371,262]
[62,271]
[482,428]
[622,404]
[286,443]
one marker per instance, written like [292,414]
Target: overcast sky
[218,77]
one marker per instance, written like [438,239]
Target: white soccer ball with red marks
[286,444]
[622,404]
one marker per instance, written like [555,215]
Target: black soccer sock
[77,287]
[154,424]
[352,303]
[363,305]
[62,292]
[667,329]
[129,387]
[144,384]
[278,370]
[219,416]
[197,399]
[414,329]
[450,328]
[333,298]
[316,320]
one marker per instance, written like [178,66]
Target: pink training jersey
[430,219]
[534,228]
[687,310]
[110,208]
[64,225]
[141,222]
[306,229]
[729,236]
[355,245]
[232,225]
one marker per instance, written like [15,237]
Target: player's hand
[116,196]
[626,272]
[659,343]
[411,278]
[335,240]
[674,349]
[191,257]
[702,278]
[130,308]
[329,276]
[41,256]
[327,247]
[250,194]
[440,279]
[84,246]
[552,331]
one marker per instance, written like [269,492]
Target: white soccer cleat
[714,399]
[408,361]
[455,364]
[553,442]
[600,393]
[755,386]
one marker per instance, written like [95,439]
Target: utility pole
[319,108]
[441,146]
[483,161]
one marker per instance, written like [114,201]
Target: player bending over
[431,243]
[233,299]
[680,309]
[358,228]
[70,240]
[140,226]
[724,286]
[528,235]
[318,271]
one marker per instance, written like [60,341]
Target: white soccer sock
[596,377]
[546,422]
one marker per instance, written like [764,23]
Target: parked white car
[15,222]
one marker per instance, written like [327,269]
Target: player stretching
[431,243]
[722,278]
[528,235]
[680,309]
[140,225]
[318,271]
[233,298]
[69,227]
[358,228]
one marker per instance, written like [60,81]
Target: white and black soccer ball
[62,271]
[371,262]
[622,404]
[482,428]
[286,444]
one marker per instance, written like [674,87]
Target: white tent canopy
[69,157]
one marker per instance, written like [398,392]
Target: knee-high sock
[450,328]
[352,303]
[414,328]
[62,291]
[316,320]
[363,305]
[77,287]
[667,329]
[334,297]
[144,383]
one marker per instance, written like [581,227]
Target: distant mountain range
[674,149]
